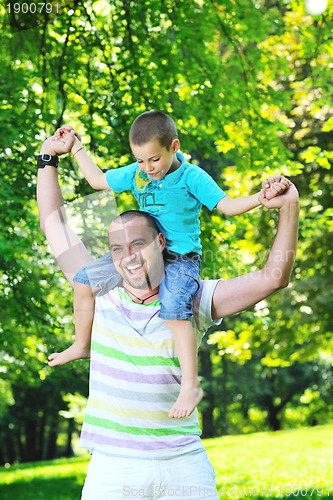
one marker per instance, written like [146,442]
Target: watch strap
[47,159]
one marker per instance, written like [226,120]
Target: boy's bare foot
[189,397]
[70,354]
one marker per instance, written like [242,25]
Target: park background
[249,85]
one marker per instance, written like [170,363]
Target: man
[136,449]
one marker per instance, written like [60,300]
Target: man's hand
[63,132]
[274,186]
[286,193]
[59,145]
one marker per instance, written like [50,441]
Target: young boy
[173,192]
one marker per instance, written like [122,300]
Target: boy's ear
[175,145]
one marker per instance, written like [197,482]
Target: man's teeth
[132,268]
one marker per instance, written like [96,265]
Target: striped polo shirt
[135,379]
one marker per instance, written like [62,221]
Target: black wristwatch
[46,159]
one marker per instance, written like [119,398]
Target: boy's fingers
[277,180]
[277,188]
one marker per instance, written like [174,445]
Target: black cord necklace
[142,301]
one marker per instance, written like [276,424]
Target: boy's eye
[156,159]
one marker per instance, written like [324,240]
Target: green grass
[286,464]
[53,480]
[274,464]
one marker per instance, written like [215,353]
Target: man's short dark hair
[153,125]
[132,214]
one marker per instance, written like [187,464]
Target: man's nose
[128,254]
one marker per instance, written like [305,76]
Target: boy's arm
[93,174]
[235,206]
[235,295]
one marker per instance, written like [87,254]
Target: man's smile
[134,268]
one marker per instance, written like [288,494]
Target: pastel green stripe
[127,429]
[137,360]
[126,297]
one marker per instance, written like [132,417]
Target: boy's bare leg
[186,348]
[84,303]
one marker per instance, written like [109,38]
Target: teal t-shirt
[174,201]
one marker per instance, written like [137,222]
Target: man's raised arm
[66,246]
[235,295]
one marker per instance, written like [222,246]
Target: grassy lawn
[286,464]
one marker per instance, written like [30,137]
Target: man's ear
[161,241]
[175,145]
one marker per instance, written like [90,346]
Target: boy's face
[155,160]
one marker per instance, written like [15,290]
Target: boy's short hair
[153,125]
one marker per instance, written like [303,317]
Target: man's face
[155,160]
[136,251]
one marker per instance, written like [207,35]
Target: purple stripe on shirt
[138,378]
[141,445]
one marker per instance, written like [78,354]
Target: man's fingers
[68,129]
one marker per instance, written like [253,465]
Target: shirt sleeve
[203,187]
[120,179]
[202,308]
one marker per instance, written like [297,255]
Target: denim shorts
[177,290]
[189,476]
[180,284]
[99,273]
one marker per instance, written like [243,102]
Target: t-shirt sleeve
[120,179]
[203,187]
[202,308]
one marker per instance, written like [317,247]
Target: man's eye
[138,244]
[116,250]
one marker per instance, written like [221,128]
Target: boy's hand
[275,186]
[55,146]
[286,193]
